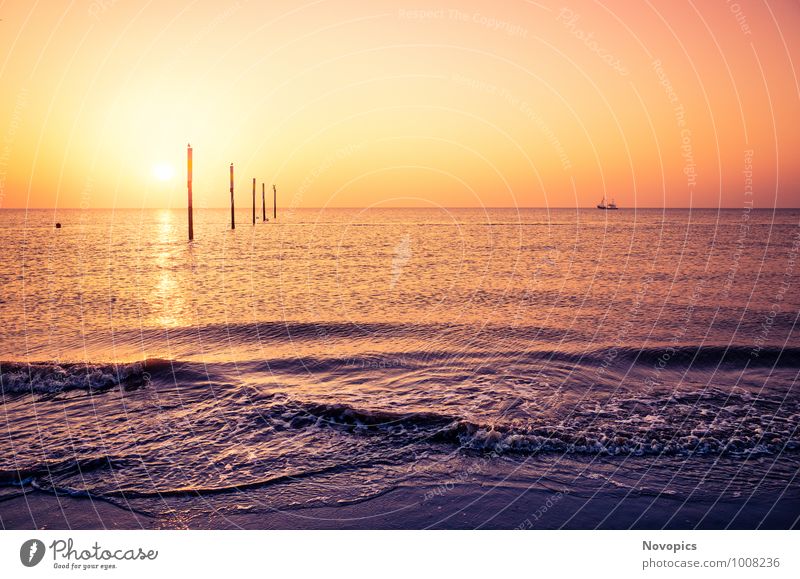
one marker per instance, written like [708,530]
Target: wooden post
[263,205]
[189,184]
[274,203]
[233,219]
[254,200]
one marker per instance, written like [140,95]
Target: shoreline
[468,506]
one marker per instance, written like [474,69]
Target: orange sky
[347,103]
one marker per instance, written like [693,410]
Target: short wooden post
[274,203]
[233,219]
[189,184]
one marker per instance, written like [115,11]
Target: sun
[163,171]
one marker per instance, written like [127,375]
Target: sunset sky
[354,103]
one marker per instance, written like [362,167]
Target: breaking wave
[53,378]
[687,424]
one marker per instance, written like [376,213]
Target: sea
[631,368]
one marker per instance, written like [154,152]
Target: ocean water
[334,356]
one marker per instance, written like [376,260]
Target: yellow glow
[352,103]
[163,171]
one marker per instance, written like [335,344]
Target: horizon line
[226,208]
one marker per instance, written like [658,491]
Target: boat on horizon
[607,206]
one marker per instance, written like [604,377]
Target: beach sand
[467,506]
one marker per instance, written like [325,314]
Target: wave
[289,414]
[429,342]
[53,378]
[267,331]
[693,424]
[662,357]
[502,440]
[662,425]
[57,468]
[711,355]
[136,493]
[48,477]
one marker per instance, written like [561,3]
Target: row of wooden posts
[233,217]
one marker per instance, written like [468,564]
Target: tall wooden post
[263,205]
[189,185]
[274,203]
[233,219]
[254,200]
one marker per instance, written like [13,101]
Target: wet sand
[468,506]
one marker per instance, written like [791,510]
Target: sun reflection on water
[167,298]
